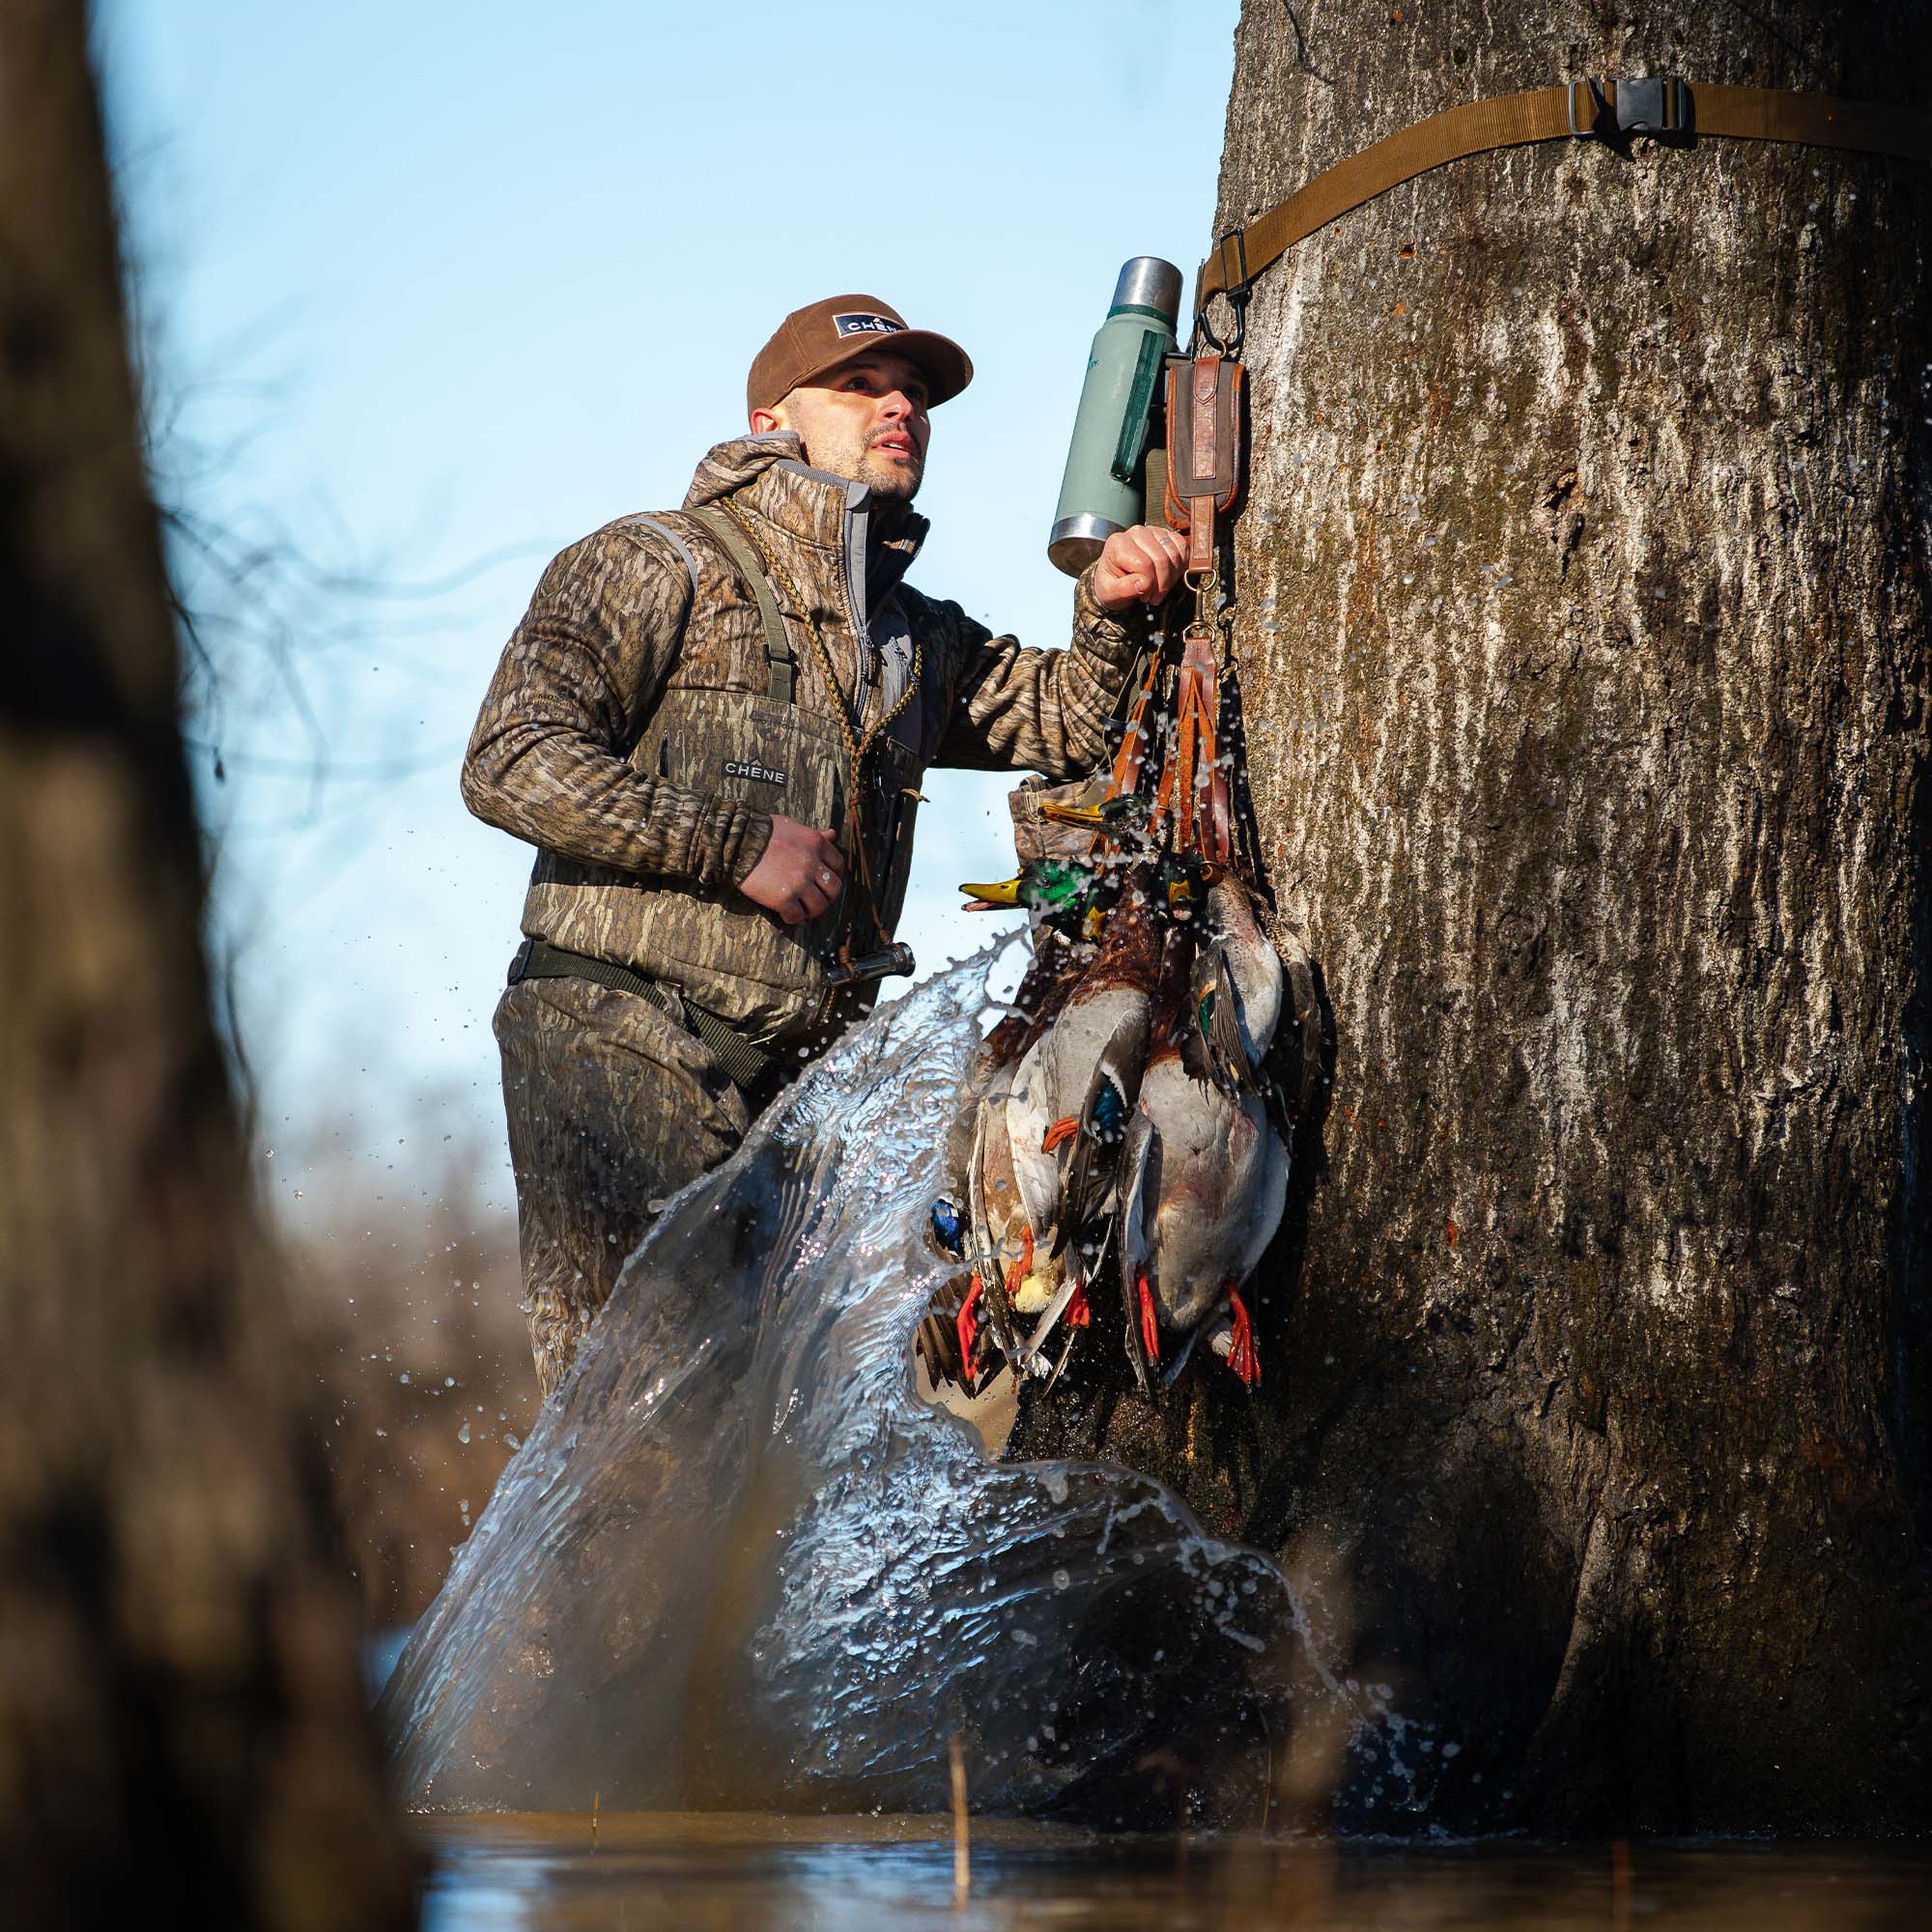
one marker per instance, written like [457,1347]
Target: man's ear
[764,421]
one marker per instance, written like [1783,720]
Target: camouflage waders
[612,1105]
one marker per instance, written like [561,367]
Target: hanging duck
[1068,1113]
[1203,1183]
[1233,994]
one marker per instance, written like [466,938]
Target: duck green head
[1182,882]
[1050,886]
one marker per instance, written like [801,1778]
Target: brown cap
[811,342]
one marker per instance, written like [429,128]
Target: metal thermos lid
[1077,540]
[1149,282]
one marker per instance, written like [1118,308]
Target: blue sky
[433,290]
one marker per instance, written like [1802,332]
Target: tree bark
[182,1718]
[1582,628]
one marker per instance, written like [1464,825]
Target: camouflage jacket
[630,735]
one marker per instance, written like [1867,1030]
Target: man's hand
[1138,566]
[800,873]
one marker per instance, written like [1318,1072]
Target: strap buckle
[1597,106]
[1231,255]
[1653,104]
[1235,270]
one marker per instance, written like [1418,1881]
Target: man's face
[866,421]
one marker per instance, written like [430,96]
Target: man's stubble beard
[863,464]
[890,480]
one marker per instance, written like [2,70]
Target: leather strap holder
[1204,448]
[1202,808]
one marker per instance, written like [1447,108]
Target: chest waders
[744,982]
[878,811]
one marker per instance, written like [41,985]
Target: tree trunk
[182,1718]
[1582,624]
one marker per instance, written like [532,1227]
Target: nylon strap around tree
[781,666]
[1582,108]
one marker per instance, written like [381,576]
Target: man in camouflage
[712,725]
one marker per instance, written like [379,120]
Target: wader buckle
[1653,105]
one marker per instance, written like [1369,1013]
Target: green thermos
[1102,490]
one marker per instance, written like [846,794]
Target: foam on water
[740,1563]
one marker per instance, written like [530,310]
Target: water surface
[538,1873]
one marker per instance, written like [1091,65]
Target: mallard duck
[1233,993]
[1183,881]
[1068,1113]
[1202,1184]
[1066,894]
[1058,965]
[1000,1243]
[1054,971]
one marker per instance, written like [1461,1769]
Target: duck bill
[1192,890]
[989,898]
[1055,1309]
[1122,812]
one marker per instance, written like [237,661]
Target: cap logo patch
[866,324]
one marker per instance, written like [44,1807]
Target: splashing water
[739,1562]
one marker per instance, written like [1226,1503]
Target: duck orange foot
[1149,1325]
[966,1326]
[1242,1357]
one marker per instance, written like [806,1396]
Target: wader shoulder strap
[780,664]
[1653,105]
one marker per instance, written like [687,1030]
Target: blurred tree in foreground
[180,1714]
